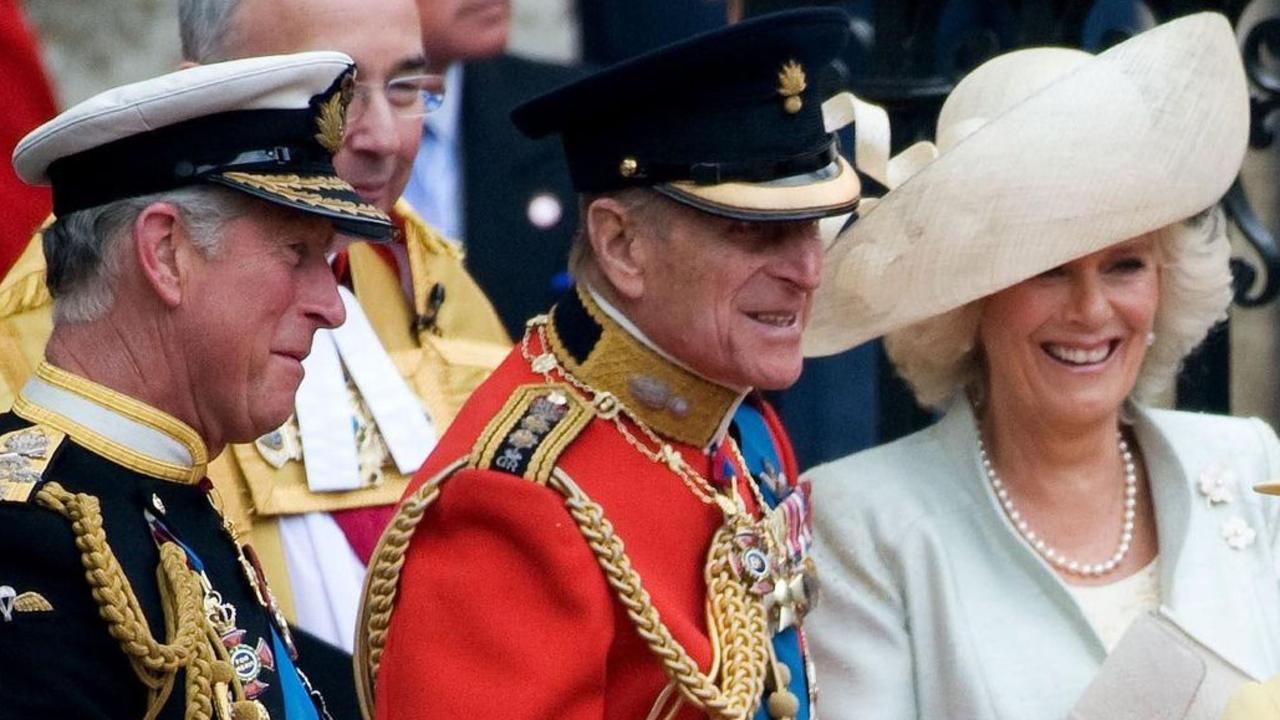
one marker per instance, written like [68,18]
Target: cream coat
[934,607]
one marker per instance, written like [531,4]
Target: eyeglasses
[408,96]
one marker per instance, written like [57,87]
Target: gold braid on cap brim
[193,646]
[306,190]
[735,616]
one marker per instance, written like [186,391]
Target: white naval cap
[267,126]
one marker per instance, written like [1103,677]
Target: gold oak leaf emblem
[791,82]
[331,121]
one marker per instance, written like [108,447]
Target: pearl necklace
[1050,553]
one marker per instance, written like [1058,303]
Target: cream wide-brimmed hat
[1043,156]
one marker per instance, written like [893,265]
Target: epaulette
[24,454]
[527,437]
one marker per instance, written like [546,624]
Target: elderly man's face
[248,316]
[382,37]
[730,299]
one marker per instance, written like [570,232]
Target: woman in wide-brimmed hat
[1050,264]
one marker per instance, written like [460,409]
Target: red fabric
[503,611]
[27,101]
[342,262]
[363,526]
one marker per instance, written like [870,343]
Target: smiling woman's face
[1065,347]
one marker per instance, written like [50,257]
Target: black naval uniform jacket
[57,656]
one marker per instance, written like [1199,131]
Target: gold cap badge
[331,121]
[791,82]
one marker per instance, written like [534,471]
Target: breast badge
[11,601]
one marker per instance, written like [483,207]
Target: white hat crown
[999,85]
[1046,155]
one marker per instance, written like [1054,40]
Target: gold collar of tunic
[124,430]
[672,400]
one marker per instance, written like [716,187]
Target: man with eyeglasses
[314,494]
[433,325]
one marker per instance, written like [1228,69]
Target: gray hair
[83,252]
[940,357]
[646,204]
[205,27]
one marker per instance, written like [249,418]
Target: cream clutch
[1160,672]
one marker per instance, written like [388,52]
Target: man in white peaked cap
[188,272]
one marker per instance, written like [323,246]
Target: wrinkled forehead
[382,36]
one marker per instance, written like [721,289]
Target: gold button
[628,167]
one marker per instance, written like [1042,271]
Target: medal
[248,661]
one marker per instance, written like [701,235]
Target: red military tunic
[502,609]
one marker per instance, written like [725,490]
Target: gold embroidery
[694,409]
[101,444]
[24,454]
[302,189]
[791,82]
[284,444]
[331,120]
[32,601]
[531,431]
[130,408]
[281,445]
[372,453]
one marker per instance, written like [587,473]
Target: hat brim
[322,194]
[1146,134]
[833,190]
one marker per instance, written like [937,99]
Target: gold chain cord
[385,571]
[194,646]
[739,626]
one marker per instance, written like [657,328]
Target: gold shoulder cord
[382,583]
[736,617]
[193,647]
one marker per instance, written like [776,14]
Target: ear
[619,253]
[158,244]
